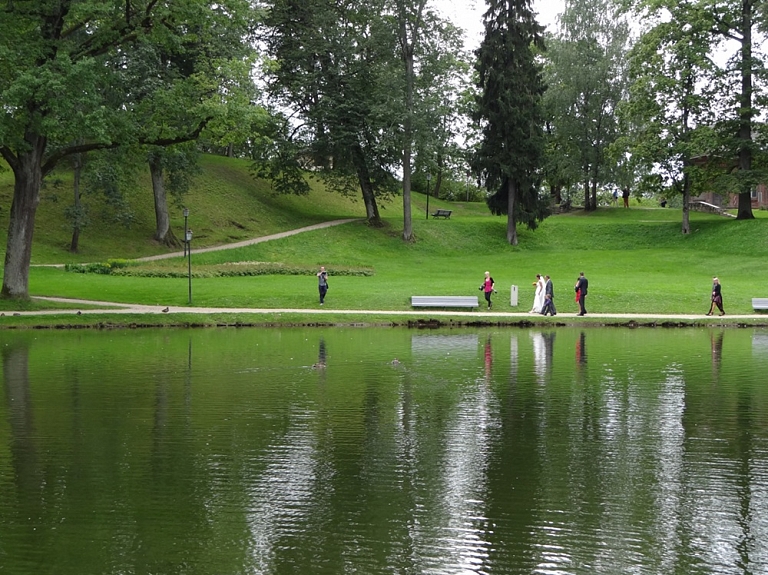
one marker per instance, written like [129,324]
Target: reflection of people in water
[543,350]
[717,347]
[581,348]
[549,348]
[488,358]
[320,356]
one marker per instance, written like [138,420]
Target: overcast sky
[468,14]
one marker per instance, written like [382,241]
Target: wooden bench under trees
[442,214]
[444,301]
[760,303]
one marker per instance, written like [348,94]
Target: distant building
[731,200]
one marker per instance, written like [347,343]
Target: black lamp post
[188,242]
[429,177]
[186,215]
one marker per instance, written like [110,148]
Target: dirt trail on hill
[250,242]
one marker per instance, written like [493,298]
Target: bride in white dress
[538,298]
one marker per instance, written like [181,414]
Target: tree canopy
[82,75]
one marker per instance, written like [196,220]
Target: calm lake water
[505,451]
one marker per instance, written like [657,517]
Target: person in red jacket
[581,289]
[487,288]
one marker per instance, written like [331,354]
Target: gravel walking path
[106,307]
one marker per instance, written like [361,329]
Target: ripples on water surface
[289,451]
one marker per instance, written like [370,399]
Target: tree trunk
[686,229]
[28,174]
[593,204]
[440,172]
[438,181]
[586,195]
[407,216]
[163,232]
[689,87]
[407,53]
[745,112]
[74,245]
[556,193]
[369,195]
[511,224]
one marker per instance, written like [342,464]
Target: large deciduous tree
[738,21]
[331,63]
[667,111]
[358,79]
[65,84]
[726,33]
[433,75]
[587,80]
[509,111]
[410,22]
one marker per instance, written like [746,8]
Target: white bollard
[513,297]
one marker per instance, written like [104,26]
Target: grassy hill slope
[636,259]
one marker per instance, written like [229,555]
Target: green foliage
[104,268]
[85,75]
[277,158]
[586,79]
[232,269]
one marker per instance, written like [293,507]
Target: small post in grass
[429,177]
[188,242]
[186,215]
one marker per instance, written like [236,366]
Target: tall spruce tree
[509,111]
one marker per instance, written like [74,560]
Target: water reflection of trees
[23,448]
[448,462]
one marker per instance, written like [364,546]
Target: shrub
[125,268]
[104,268]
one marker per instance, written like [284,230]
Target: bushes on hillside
[234,269]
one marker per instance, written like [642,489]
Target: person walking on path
[581,289]
[538,298]
[549,297]
[322,283]
[625,195]
[487,288]
[717,297]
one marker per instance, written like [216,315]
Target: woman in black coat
[717,297]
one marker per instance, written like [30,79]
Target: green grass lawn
[636,259]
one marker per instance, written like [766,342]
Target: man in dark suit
[549,297]
[581,288]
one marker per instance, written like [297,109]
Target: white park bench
[444,301]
